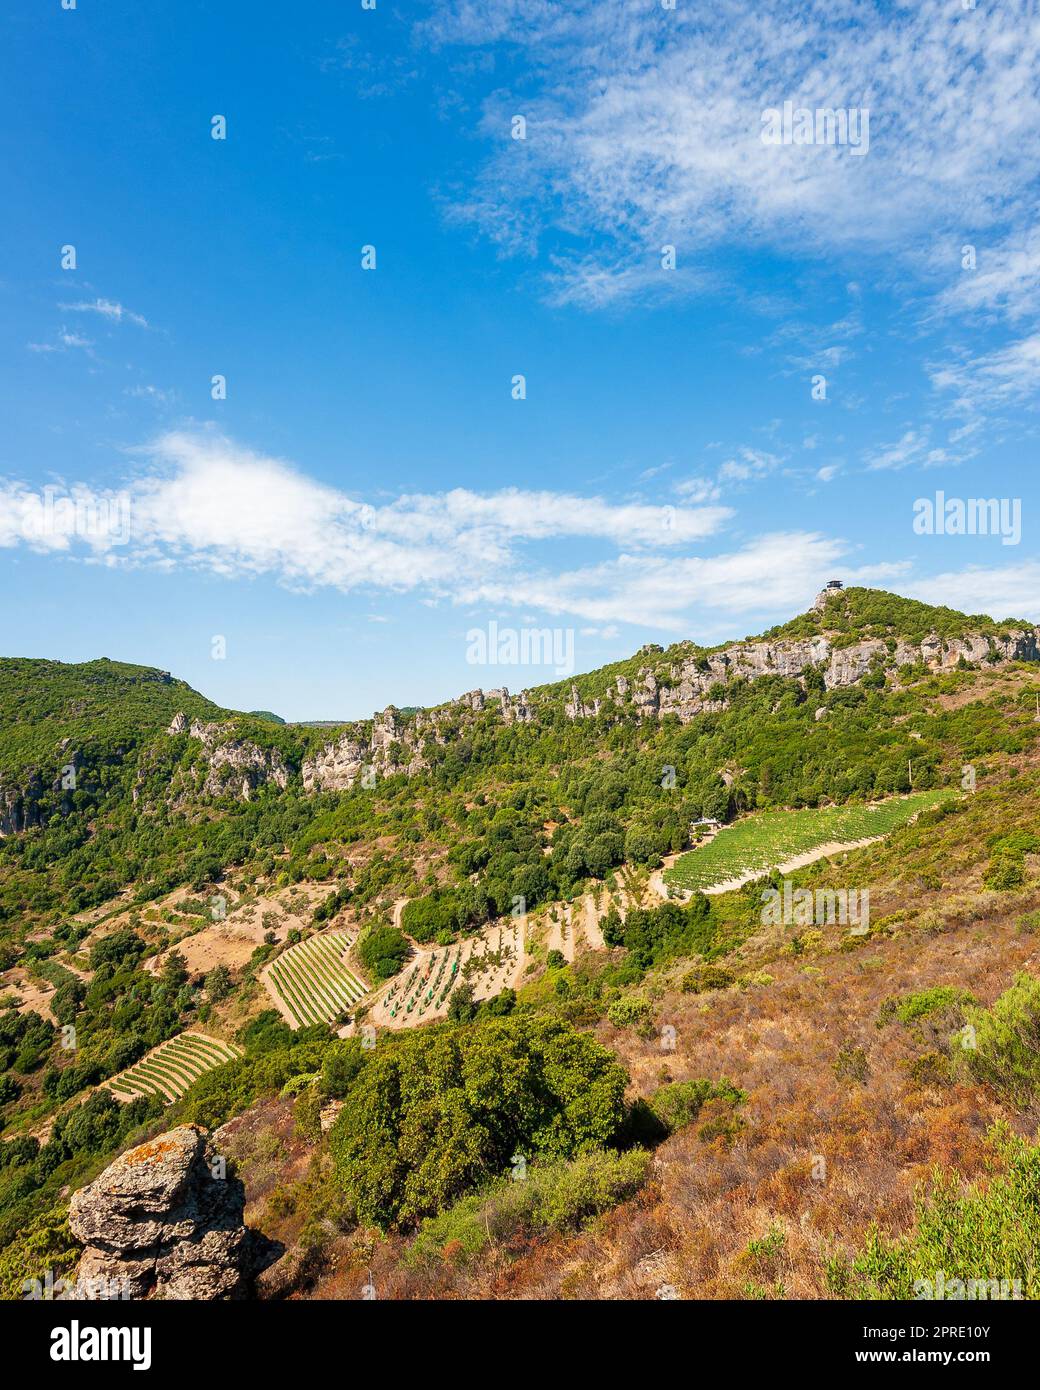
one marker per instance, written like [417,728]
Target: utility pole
[910,771]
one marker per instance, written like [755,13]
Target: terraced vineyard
[169,1069]
[758,843]
[310,982]
[489,962]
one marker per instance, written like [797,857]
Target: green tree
[383,952]
[435,1114]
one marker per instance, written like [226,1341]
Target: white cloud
[590,283]
[645,129]
[1007,591]
[1006,376]
[829,357]
[202,501]
[206,502]
[63,342]
[1006,279]
[748,464]
[698,490]
[774,574]
[914,448]
[108,309]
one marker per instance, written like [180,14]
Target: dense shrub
[974,1240]
[383,952]
[924,1003]
[1003,1047]
[435,1114]
[548,1197]
[680,1102]
[656,934]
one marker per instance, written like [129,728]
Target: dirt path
[560,935]
[593,934]
[789,865]
[656,884]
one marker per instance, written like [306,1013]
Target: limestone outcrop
[690,686]
[163,1222]
[237,767]
[686,691]
[395,745]
[694,682]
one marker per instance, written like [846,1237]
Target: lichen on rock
[165,1221]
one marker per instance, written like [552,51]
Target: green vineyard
[311,983]
[169,1069]
[758,843]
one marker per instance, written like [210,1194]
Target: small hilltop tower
[833,586]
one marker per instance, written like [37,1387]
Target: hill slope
[543,817]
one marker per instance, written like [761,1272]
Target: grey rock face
[686,691]
[19,806]
[577,709]
[337,767]
[158,1219]
[236,766]
[691,686]
[395,745]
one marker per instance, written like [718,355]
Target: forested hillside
[160,888]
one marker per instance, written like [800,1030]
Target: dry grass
[827,1149]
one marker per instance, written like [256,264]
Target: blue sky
[370,492]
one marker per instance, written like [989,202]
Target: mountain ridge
[848,637]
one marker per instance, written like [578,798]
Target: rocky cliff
[21,807]
[685,682]
[162,1222]
[685,688]
[236,766]
[686,692]
[396,744]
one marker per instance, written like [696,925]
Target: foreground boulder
[162,1221]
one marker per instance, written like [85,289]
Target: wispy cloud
[63,342]
[741,465]
[913,449]
[1006,376]
[108,309]
[1008,591]
[1000,280]
[775,573]
[150,393]
[206,502]
[645,129]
